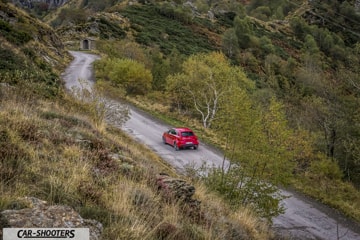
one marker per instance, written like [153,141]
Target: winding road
[304,218]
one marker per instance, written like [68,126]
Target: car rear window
[187,134]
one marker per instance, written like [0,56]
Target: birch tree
[205,83]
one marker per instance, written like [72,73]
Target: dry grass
[54,152]
[243,219]
[335,193]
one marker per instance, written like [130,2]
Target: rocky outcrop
[39,214]
[51,4]
[174,189]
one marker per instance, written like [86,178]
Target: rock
[174,188]
[41,215]
[180,190]
[211,15]
[51,4]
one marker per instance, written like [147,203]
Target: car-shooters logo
[46,233]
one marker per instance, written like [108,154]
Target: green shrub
[326,169]
[109,30]
[13,35]
[161,26]
[10,61]
[127,74]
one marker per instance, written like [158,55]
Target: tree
[260,149]
[230,43]
[243,32]
[205,82]
[160,70]
[310,45]
[125,73]
[299,27]
[266,45]
[263,13]
[259,138]
[279,13]
[280,143]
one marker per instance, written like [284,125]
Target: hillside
[290,50]
[59,150]
[294,109]
[31,52]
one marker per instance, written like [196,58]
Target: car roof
[183,129]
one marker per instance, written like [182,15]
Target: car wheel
[176,147]
[195,147]
[163,139]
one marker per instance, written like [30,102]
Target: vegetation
[126,74]
[206,84]
[152,27]
[281,100]
[57,151]
[17,37]
[19,62]
[70,16]
[303,73]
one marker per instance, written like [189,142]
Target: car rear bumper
[189,145]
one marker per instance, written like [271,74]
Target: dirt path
[304,218]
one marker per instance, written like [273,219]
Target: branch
[198,109]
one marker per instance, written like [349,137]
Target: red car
[180,138]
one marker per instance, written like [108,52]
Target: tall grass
[55,152]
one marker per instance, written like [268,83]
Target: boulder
[174,187]
[39,214]
[181,191]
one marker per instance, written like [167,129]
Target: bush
[262,13]
[125,73]
[326,168]
[109,30]
[164,27]
[9,61]
[238,188]
[13,35]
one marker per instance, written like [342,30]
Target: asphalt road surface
[304,218]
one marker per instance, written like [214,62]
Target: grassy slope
[53,151]
[53,147]
[124,213]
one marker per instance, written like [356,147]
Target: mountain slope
[58,149]
[312,70]
[30,51]
[291,50]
